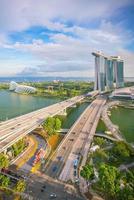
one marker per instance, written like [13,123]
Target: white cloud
[17,15]
[73,53]
[71,49]
[128,61]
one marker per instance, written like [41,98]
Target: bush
[87,172]
[99,141]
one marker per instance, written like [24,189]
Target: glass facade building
[21,88]
[119,71]
[100,72]
[108,72]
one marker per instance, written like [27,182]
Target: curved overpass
[14,129]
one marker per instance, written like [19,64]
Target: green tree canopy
[109,180]
[127,193]
[18,147]
[51,125]
[4,162]
[4,180]
[99,141]
[20,186]
[87,172]
[99,156]
[57,124]
[121,149]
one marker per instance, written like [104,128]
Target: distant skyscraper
[100,71]
[109,75]
[107,71]
[118,65]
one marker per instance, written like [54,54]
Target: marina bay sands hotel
[109,72]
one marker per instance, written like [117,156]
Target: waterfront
[73,115]
[124,118]
[12,105]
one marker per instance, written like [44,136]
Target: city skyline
[45,39]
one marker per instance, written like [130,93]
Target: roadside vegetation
[52,125]
[11,187]
[19,147]
[14,151]
[104,173]
[4,161]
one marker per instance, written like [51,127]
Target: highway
[14,129]
[62,159]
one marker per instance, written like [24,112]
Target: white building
[127,92]
[21,88]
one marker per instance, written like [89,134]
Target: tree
[18,147]
[99,141]
[51,125]
[109,180]
[121,149]
[87,172]
[20,186]
[99,156]
[4,181]
[126,193]
[4,162]
[57,124]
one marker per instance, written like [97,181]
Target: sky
[57,37]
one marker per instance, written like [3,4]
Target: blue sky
[56,37]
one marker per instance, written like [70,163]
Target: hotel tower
[109,72]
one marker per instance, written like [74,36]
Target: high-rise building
[109,75]
[100,71]
[118,67]
[108,72]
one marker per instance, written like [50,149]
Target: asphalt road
[40,188]
[61,156]
[41,144]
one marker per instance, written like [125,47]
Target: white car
[53,196]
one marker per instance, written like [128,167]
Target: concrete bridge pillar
[5,152]
[63,112]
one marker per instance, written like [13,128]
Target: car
[73,133]
[42,190]
[64,148]
[44,186]
[53,196]
[75,173]
[12,128]
[54,168]
[71,140]
[76,180]
[75,167]
[59,158]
